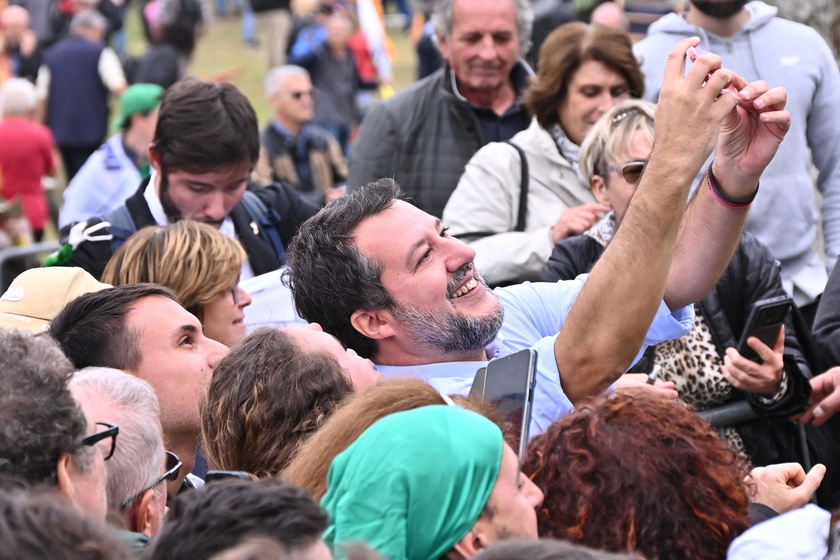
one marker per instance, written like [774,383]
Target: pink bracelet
[722,198]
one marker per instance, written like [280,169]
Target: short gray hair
[134,407]
[443,14]
[278,74]
[87,19]
[17,97]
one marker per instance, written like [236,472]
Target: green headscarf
[414,483]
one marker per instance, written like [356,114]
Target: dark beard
[451,331]
[172,213]
[722,9]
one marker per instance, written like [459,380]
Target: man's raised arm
[607,324]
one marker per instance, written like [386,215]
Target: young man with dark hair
[205,145]
[143,330]
[226,513]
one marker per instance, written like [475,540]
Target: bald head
[15,21]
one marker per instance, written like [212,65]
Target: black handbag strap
[522,211]
[523,188]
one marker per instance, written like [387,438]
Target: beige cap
[39,294]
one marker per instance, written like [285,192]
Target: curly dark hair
[264,399]
[638,474]
[39,419]
[329,277]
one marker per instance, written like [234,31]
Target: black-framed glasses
[631,170]
[173,467]
[110,431]
[235,293]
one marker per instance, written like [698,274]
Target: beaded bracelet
[722,198]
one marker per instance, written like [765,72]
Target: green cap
[139,98]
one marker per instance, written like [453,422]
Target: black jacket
[827,323]
[293,211]
[752,275]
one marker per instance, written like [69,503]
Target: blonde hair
[612,135]
[194,259]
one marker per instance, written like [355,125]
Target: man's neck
[185,447]
[393,356]
[726,27]
[292,127]
[499,99]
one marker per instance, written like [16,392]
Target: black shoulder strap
[522,211]
[267,219]
[523,188]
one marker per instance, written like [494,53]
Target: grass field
[222,51]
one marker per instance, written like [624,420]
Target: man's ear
[443,46]
[373,324]
[145,516]
[154,157]
[473,542]
[64,479]
[599,189]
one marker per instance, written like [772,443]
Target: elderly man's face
[483,46]
[444,309]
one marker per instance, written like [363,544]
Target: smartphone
[764,322]
[696,52]
[212,476]
[508,384]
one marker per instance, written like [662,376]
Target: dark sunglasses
[110,431]
[173,467]
[298,94]
[631,170]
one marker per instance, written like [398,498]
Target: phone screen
[508,386]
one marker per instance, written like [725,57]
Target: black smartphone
[508,384]
[212,475]
[764,322]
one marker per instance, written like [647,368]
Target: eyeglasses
[111,431]
[173,467]
[298,94]
[631,170]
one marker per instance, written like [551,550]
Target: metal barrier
[741,411]
[27,253]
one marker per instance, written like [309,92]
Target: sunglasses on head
[631,170]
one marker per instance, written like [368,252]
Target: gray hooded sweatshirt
[791,55]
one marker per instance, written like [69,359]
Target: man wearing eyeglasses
[294,150]
[47,440]
[138,469]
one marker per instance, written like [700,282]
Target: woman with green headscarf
[420,483]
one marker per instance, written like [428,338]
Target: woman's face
[358,370]
[613,189]
[224,318]
[593,90]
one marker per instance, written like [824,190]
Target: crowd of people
[620,211]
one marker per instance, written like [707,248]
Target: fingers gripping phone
[508,384]
[764,322]
[696,52]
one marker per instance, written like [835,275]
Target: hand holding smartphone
[764,322]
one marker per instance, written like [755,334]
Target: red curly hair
[638,474]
